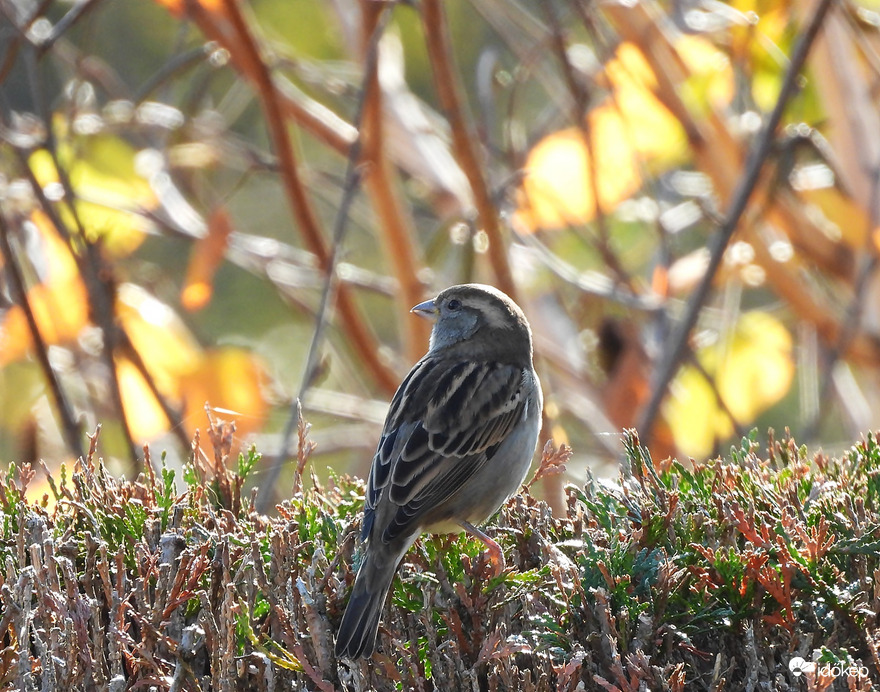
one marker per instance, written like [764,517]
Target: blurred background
[234,204]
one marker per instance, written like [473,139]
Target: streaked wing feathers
[446,420]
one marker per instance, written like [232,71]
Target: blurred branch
[69,428]
[96,277]
[174,67]
[314,117]
[847,333]
[580,97]
[394,224]
[465,145]
[593,283]
[678,343]
[716,149]
[246,55]
[331,287]
[95,272]
[73,15]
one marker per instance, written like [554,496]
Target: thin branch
[91,268]
[331,284]
[69,427]
[75,13]
[746,185]
[174,67]
[464,142]
[245,52]
[581,98]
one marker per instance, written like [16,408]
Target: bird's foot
[494,556]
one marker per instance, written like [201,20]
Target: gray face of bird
[476,321]
[455,322]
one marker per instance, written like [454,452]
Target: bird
[458,441]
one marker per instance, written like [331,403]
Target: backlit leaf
[144,415]
[59,303]
[630,131]
[109,192]
[157,333]
[228,378]
[752,370]
[177,7]
[207,254]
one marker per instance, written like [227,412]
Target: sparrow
[458,441]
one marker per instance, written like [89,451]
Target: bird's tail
[360,623]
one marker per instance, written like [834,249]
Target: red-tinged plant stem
[395,225]
[464,143]
[237,38]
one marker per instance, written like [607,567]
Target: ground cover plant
[706,576]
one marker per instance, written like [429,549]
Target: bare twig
[581,98]
[746,185]
[74,14]
[93,270]
[352,180]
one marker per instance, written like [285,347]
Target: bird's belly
[487,490]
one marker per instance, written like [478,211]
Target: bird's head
[477,320]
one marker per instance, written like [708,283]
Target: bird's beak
[428,310]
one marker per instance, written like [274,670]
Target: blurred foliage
[715,577]
[172,175]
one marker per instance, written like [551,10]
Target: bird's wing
[446,420]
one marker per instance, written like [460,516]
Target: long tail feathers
[360,623]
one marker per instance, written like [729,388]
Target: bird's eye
[454,304]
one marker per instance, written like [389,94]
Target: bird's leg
[494,552]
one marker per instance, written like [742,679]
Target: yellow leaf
[144,415]
[752,369]
[228,378]
[157,333]
[758,367]
[557,189]
[654,136]
[711,81]
[631,130]
[851,222]
[108,190]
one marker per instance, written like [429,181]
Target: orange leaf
[177,7]
[60,303]
[229,378]
[206,256]
[160,337]
[144,415]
